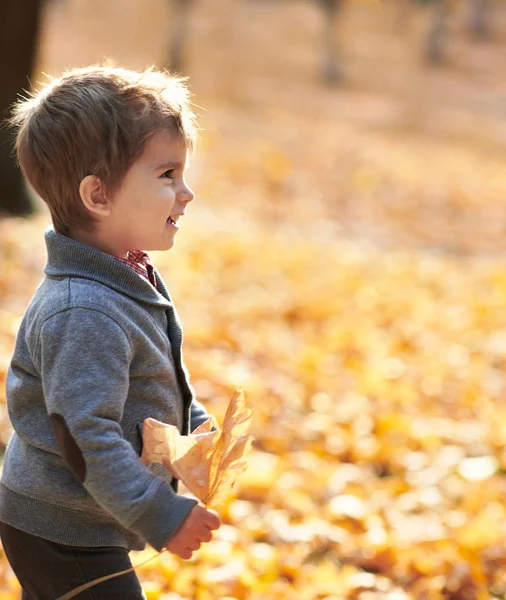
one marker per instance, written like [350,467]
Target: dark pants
[47,570]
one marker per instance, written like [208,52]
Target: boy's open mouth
[172,221]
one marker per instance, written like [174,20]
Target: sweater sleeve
[198,415]
[84,364]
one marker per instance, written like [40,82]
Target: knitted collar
[67,257]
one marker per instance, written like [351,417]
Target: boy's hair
[94,121]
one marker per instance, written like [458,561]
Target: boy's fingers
[213,520]
[185,552]
[194,545]
[206,535]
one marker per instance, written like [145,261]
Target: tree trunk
[19,25]
[332,69]
[434,47]
[179,25]
[479,19]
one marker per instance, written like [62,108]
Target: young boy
[99,348]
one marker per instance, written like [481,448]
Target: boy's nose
[186,195]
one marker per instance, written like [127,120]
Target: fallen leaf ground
[344,262]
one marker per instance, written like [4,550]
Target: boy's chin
[166,246]
[160,247]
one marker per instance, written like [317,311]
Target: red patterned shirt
[139,261]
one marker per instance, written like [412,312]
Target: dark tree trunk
[332,68]
[434,48]
[19,25]
[479,19]
[179,25]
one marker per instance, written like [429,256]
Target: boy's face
[152,197]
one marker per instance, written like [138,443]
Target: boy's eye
[168,173]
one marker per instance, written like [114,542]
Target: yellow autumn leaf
[207,461]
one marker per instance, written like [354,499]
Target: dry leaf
[207,462]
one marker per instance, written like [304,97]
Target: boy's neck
[91,240]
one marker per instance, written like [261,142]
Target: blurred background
[350,218]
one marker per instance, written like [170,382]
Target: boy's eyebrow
[170,164]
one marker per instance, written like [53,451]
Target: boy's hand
[196,528]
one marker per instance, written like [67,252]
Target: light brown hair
[94,121]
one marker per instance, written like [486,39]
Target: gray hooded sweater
[98,351]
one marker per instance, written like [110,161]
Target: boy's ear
[93,196]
